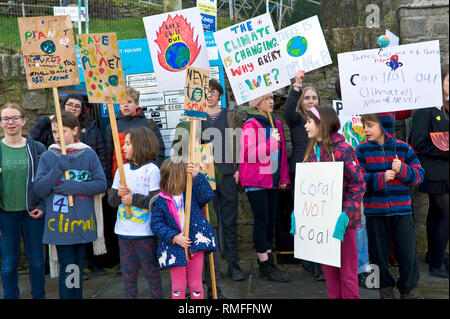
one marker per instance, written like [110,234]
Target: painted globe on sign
[297,46]
[383,41]
[48,47]
[178,55]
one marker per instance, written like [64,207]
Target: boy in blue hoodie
[390,168]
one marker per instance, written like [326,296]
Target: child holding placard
[137,243]
[326,144]
[70,227]
[168,220]
[390,168]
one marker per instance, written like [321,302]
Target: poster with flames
[176,41]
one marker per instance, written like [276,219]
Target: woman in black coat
[436,184]
[297,104]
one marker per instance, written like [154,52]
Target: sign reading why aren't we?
[317,206]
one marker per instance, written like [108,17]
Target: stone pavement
[303,286]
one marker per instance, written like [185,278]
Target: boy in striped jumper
[390,168]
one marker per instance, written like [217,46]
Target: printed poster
[208,12]
[48,50]
[102,68]
[251,56]
[303,46]
[176,41]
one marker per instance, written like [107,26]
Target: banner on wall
[396,78]
[251,56]
[176,41]
[303,46]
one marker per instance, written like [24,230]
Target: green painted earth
[297,46]
[178,55]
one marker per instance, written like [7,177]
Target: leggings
[190,275]
[135,251]
[264,205]
[437,228]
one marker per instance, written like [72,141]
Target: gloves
[341,226]
[65,162]
[68,188]
[292,231]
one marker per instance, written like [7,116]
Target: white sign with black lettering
[317,206]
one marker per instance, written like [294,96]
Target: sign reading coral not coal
[303,46]
[102,67]
[396,78]
[176,41]
[49,53]
[251,56]
[317,206]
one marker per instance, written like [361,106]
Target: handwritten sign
[440,140]
[351,126]
[49,53]
[317,206]
[303,46]
[251,56]
[195,91]
[204,158]
[102,67]
[393,79]
[176,41]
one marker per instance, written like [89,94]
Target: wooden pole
[211,262]
[62,141]
[187,211]
[268,112]
[118,151]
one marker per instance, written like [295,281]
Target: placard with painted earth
[297,46]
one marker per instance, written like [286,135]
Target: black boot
[269,270]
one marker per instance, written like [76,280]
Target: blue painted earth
[178,55]
[297,46]
[48,47]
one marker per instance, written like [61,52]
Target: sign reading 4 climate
[102,67]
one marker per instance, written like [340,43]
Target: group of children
[377,175]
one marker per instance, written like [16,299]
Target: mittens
[68,188]
[341,226]
[65,162]
[292,231]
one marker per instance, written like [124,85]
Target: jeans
[363,248]
[70,259]
[12,224]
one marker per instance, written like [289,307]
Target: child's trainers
[387,293]
[411,295]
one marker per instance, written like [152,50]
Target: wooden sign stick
[211,262]
[270,116]
[62,141]
[118,151]
[187,211]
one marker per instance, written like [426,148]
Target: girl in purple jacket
[263,169]
[327,145]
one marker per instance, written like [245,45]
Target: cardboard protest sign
[195,91]
[49,53]
[251,56]
[317,206]
[440,140]
[303,46]
[204,158]
[208,12]
[102,67]
[176,41]
[351,126]
[393,79]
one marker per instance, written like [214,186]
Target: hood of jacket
[387,123]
